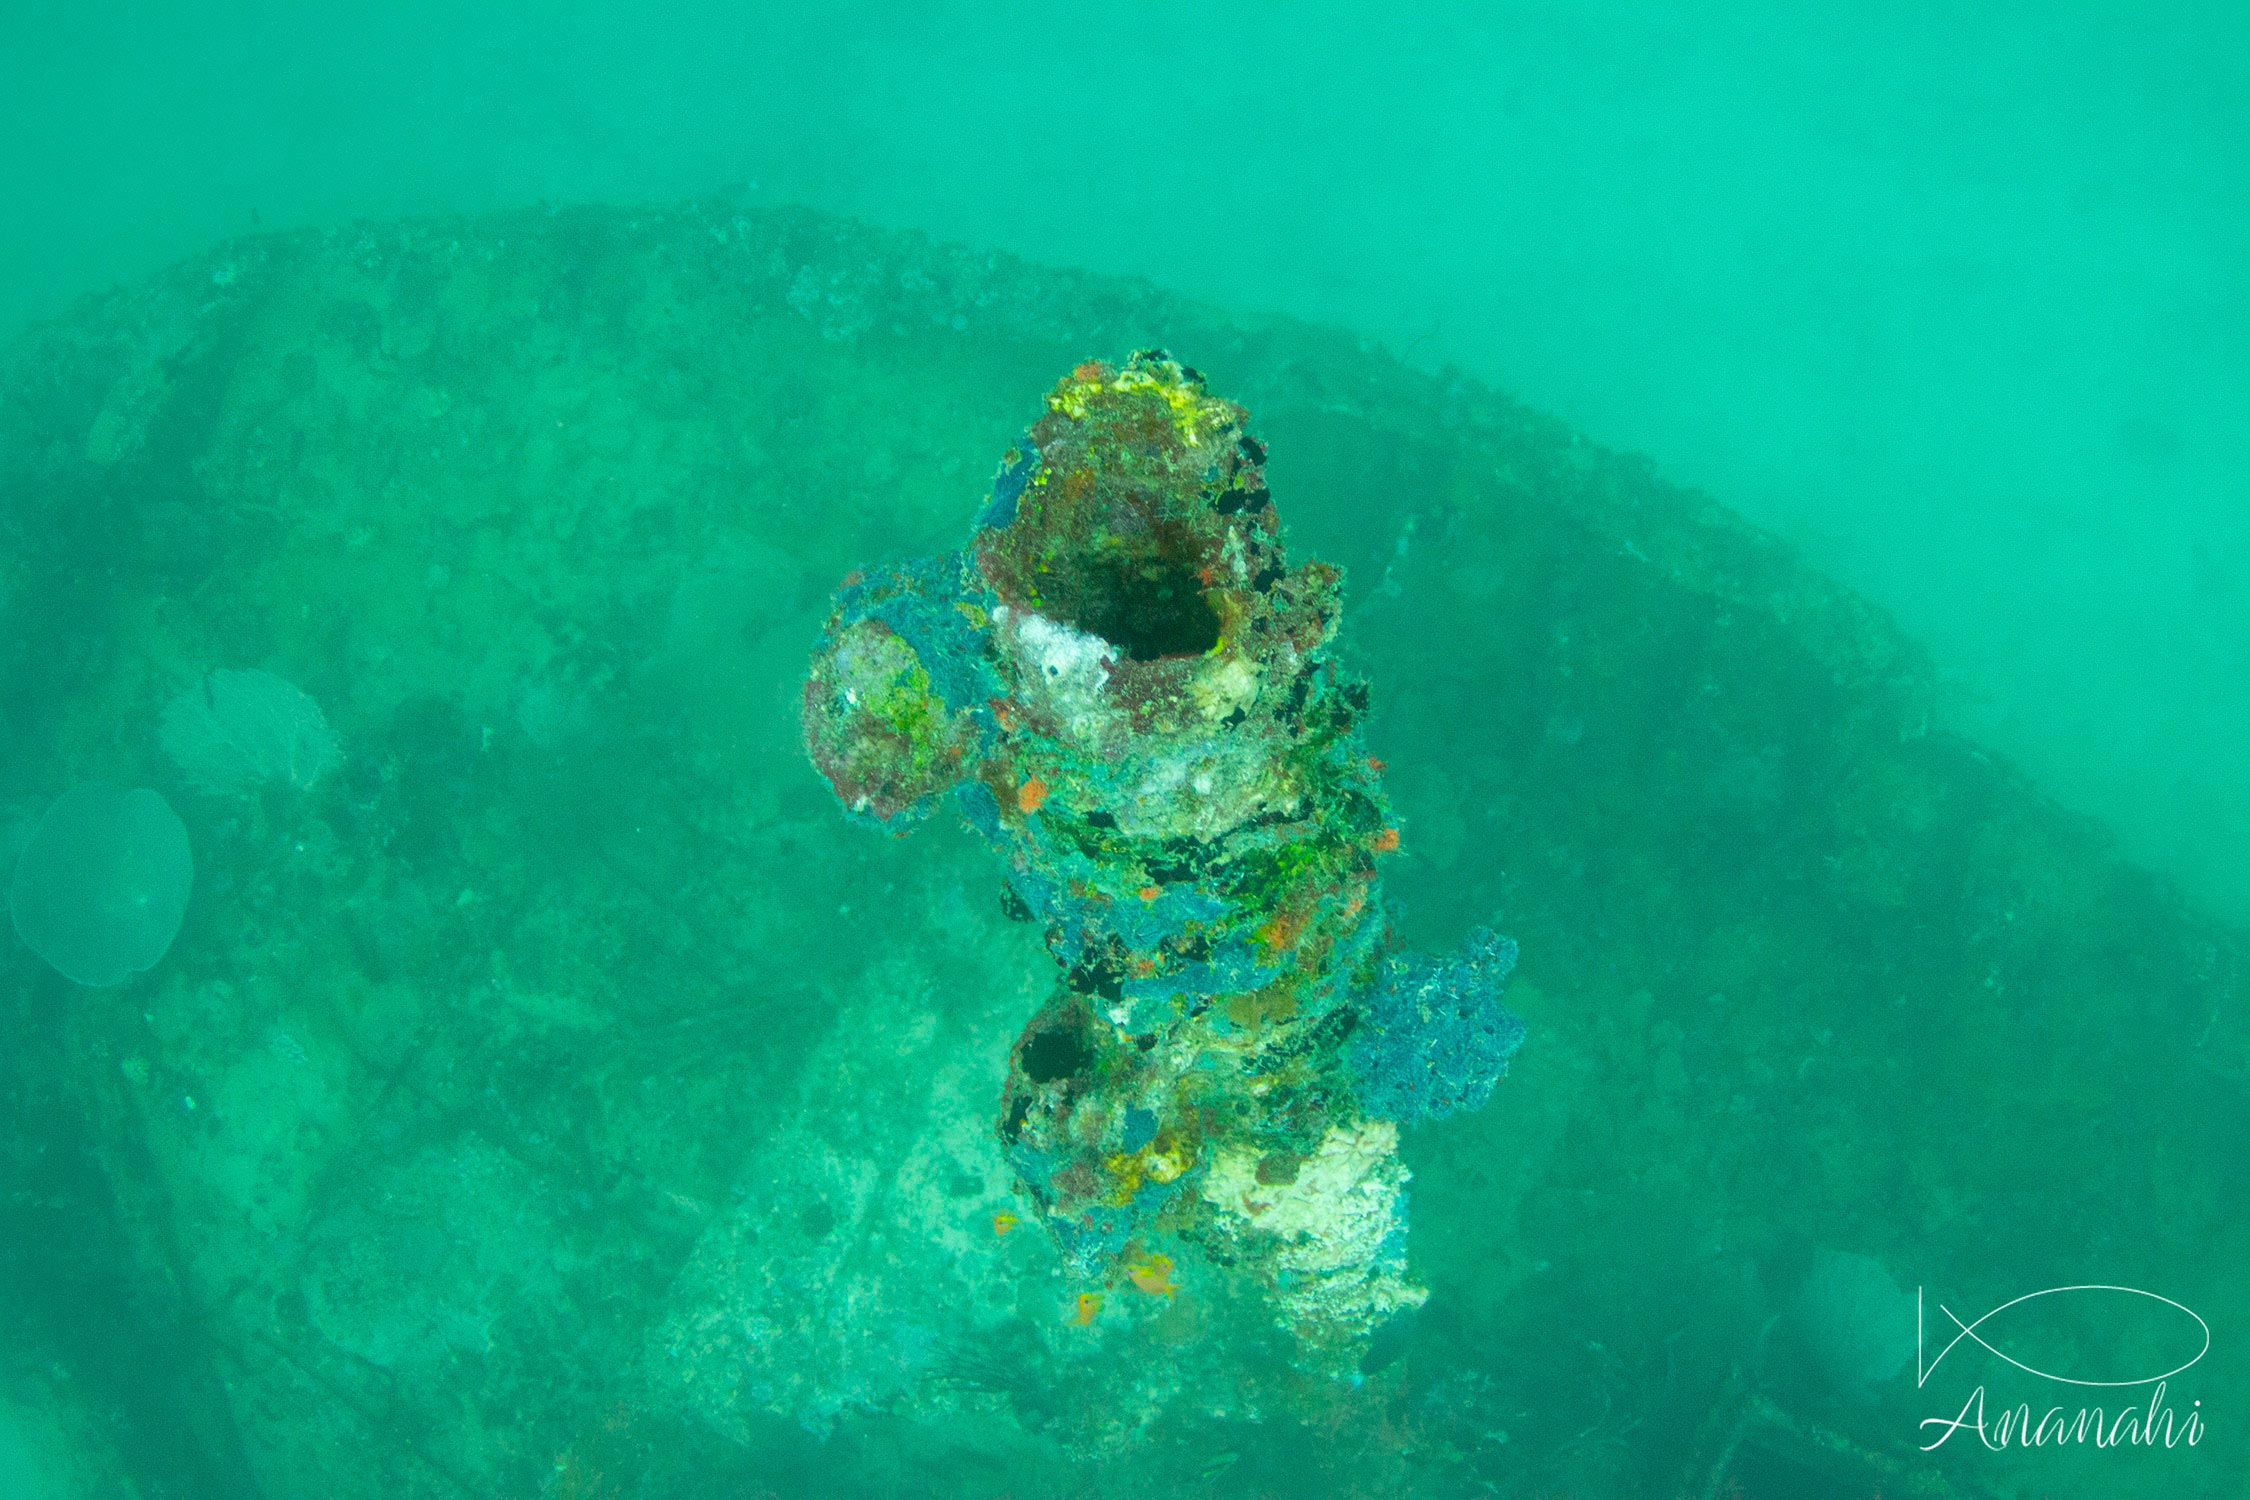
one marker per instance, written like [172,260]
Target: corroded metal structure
[1129,688]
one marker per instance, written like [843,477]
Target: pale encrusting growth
[1335,1232]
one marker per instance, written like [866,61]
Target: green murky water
[547,1093]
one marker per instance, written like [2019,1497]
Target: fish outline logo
[1925,1368]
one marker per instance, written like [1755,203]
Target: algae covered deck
[558,1098]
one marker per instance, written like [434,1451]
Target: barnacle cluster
[1128,688]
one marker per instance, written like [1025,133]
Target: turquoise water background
[508,1093]
[1957,297]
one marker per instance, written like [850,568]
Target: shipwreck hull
[548,1102]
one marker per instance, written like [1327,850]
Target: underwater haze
[1206,750]
[1956,298]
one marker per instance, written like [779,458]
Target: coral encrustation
[1130,691]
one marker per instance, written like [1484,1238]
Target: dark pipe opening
[1145,606]
[1059,1053]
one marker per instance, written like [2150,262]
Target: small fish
[1032,795]
[1219,1464]
[1004,1221]
[1153,1276]
[1089,1308]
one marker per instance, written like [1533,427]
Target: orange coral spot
[1004,1221]
[1151,892]
[1377,766]
[1386,841]
[1281,930]
[1032,796]
[1092,369]
[1089,1307]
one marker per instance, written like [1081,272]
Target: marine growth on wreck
[1129,691]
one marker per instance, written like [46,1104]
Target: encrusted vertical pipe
[1130,691]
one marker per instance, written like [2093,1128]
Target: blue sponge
[1433,1036]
